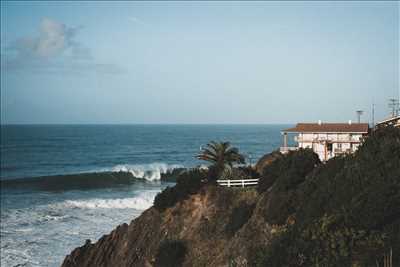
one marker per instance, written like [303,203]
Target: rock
[199,221]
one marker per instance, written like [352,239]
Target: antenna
[394,105]
[359,113]
[373,115]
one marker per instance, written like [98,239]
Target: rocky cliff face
[219,227]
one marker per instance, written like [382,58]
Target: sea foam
[141,202]
[150,172]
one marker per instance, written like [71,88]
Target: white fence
[286,149]
[242,183]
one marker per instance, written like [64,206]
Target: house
[326,139]
[394,121]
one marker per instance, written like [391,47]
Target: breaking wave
[150,172]
[141,202]
[111,177]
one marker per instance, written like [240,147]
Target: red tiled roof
[329,128]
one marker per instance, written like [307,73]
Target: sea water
[39,227]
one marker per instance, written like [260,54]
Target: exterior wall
[341,143]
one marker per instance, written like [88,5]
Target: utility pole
[359,113]
[394,105]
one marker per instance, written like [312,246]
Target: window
[329,147]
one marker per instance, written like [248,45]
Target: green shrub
[280,206]
[270,174]
[187,183]
[167,198]
[289,170]
[249,172]
[282,177]
[239,216]
[170,253]
[346,211]
[190,182]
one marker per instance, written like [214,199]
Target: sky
[197,62]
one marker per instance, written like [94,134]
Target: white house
[326,139]
[392,121]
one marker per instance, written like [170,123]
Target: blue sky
[197,62]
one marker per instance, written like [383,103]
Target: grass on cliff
[342,213]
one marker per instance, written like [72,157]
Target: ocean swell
[119,175]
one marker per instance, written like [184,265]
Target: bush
[289,170]
[167,198]
[187,183]
[284,250]
[239,216]
[170,253]
[283,176]
[190,182]
[266,160]
[249,172]
[346,211]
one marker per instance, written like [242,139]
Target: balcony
[342,151]
[325,139]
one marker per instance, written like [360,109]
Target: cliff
[344,212]
[204,222]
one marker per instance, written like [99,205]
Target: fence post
[242,183]
[229,183]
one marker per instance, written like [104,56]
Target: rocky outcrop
[266,160]
[201,222]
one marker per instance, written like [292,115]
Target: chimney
[319,122]
[349,122]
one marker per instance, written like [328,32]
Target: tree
[221,155]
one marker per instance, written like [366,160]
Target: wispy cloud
[54,49]
[136,20]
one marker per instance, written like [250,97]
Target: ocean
[66,175]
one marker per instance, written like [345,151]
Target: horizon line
[134,123]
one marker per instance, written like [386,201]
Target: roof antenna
[359,113]
[373,115]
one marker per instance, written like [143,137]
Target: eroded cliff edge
[203,222]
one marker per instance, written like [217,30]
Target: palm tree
[221,155]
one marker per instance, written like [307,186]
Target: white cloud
[54,39]
[54,49]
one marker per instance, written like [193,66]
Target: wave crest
[104,178]
[150,172]
[141,202]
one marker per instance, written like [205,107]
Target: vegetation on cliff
[343,213]
[222,156]
[188,182]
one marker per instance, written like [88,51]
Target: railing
[242,183]
[286,149]
[330,139]
[341,150]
